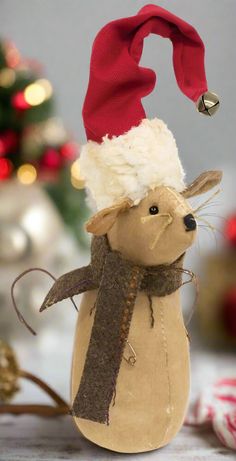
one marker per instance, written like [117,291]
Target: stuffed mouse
[130,371]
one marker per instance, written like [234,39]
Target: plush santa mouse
[130,372]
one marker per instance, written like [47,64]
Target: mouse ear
[203,183]
[102,221]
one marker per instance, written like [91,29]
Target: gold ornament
[9,373]
[27,174]
[208,103]
[7,77]
[38,92]
[77,181]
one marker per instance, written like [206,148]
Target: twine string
[19,314]
[61,408]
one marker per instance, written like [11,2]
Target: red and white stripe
[217,406]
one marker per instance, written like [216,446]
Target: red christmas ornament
[69,151]
[8,142]
[3,147]
[229,312]
[51,159]
[5,169]
[18,101]
[230,230]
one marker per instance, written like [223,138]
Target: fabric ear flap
[102,221]
[203,183]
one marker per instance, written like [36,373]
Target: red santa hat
[127,154]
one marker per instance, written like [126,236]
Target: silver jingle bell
[208,103]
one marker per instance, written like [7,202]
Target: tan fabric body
[151,397]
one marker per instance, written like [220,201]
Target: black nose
[189,222]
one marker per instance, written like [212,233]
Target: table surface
[28,437]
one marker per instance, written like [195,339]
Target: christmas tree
[34,144]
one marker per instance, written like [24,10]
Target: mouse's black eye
[153,209]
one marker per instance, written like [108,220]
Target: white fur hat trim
[130,165]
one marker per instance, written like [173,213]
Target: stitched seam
[177,199]
[169,417]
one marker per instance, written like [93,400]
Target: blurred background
[44,67]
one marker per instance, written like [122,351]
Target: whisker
[199,246]
[206,222]
[207,229]
[209,233]
[214,215]
[208,200]
[210,205]
[212,228]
